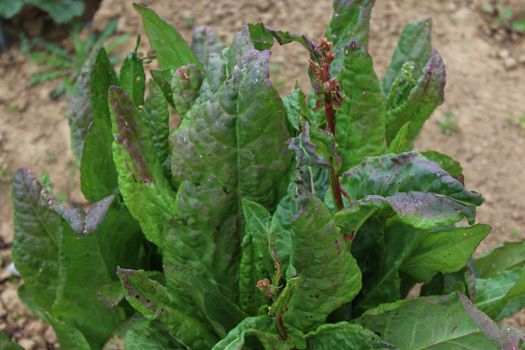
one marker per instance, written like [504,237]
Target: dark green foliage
[244,247]
[60,10]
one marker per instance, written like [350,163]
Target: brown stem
[334,178]
[280,325]
[329,113]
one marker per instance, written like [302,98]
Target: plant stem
[335,184]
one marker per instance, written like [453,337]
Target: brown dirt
[485,102]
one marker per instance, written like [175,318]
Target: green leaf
[98,176]
[10,8]
[400,143]
[444,251]
[321,258]
[414,45]
[281,229]
[154,302]
[259,331]
[145,190]
[163,80]
[296,108]
[407,172]
[205,43]
[315,148]
[427,323]
[427,94]
[231,145]
[505,338]
[150,335]
[447,163]
[79,112]
[344,335]
[156,108]
[390,246]
[38,230]
[65,256]
[170,48]
[88,260]
[185,85]
[494,293]
[350,22]
[69,337]
[132,78]
[505,257]
[256,260]
[360,128]
[519,26]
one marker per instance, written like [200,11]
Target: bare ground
[485,101]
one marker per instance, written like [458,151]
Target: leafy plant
[503,16]
[61,11]
[277,223]
[447,123]
[58,63]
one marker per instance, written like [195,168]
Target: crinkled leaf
[189,281]
[505,257]
[407,172]
[132,78]
[414,45]
[261,330]
[231,145]
[170,48]
[185,85]
[205,43]
[419,209]
[79,112]
[350,21]
[315,148]
[154,302]
[330,275]
[447,163]
[427,94]
[98,176]
[256,259]
[146,191]
[344,335]
[427,323]
[156,108]
[296,108]
[444,251]
[360,128]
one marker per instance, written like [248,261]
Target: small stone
[521,59]
[9,297]
[49,335]
[27,344]
[35,327]
[504,54]
[510,63]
